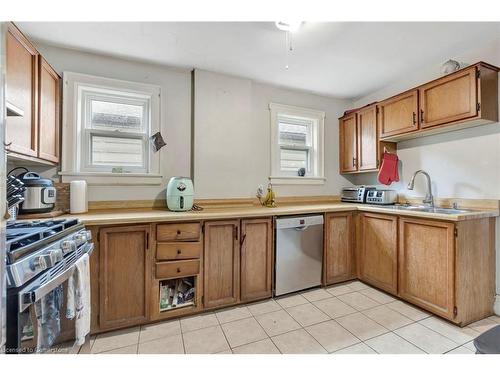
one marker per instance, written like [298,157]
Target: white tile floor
[347,318]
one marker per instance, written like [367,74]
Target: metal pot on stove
[40,194]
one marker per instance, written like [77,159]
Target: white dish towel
[78,303]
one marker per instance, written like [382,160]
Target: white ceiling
[346,60]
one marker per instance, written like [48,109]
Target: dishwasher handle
[302,228]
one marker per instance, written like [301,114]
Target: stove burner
[24,237]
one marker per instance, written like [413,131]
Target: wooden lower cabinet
[124,273]
[256,259]
[427,264]
[339,261]
[378,251]
[221,263]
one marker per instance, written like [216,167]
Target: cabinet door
[378,255]
[426,270]
[451,98]
[348,143]
[256,259]
[48,112]
[367,142]
[399,114]
[339,251]
[124,267]
[221,263]
[21,91]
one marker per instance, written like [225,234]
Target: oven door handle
[29,296]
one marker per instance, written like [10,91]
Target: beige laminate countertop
[130,216]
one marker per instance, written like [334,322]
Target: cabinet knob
[178,232]
[178,270]
[178,251]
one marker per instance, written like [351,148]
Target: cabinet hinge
[478,73]
[455,311]
[478,107]
[455,232]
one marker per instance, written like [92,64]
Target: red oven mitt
[389,169]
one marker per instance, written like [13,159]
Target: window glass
[117,151]
[107,115]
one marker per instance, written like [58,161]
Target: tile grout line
[301,327]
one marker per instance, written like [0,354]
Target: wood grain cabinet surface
[399,114]
[221,263]
[48,112]
[124,273]
[33,86]
[367,154]
[22,91]
[378,251]
[256,257]
[348,131]
[338,257]
[426,264]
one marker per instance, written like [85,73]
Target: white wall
[462,164]
[175,113]
[232,136]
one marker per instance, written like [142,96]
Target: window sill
[113,179]
[296,180]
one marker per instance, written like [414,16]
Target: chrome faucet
[429,199]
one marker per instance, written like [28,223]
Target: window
[108,122]
[296,145]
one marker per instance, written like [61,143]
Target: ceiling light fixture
[291,26]
[288,27]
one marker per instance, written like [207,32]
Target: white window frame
[316,173]
[78,90]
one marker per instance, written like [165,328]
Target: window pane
[122,152]
[112,116]
[292,160]
[293,134]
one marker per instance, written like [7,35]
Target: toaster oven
[356,194]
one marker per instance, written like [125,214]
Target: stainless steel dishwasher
[299,253]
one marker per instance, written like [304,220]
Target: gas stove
[36,246]
[41,256]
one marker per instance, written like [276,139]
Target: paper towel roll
[78,197]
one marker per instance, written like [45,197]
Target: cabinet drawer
[178,232]
[178,250]
[175,269]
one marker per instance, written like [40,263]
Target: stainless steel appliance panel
[299,253]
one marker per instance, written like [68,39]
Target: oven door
[22,335]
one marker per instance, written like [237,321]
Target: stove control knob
[68,246]
[88,234]
[47,260]
[83,236]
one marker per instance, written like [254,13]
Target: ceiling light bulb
[291,26]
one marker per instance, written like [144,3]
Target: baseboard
[496,305]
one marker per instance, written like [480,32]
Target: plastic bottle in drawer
[177,293]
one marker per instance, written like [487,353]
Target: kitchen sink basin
[436,210]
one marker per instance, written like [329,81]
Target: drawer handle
[178,270]
[178,232]
[179,251]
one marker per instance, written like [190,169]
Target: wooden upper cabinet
[378,251]
[221,263]
[48,112]
[427,264]
[399,114]
[339,248]
[256,259]
[124,272]
[21,91]
[348,147]
[451,98]
[367,158]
